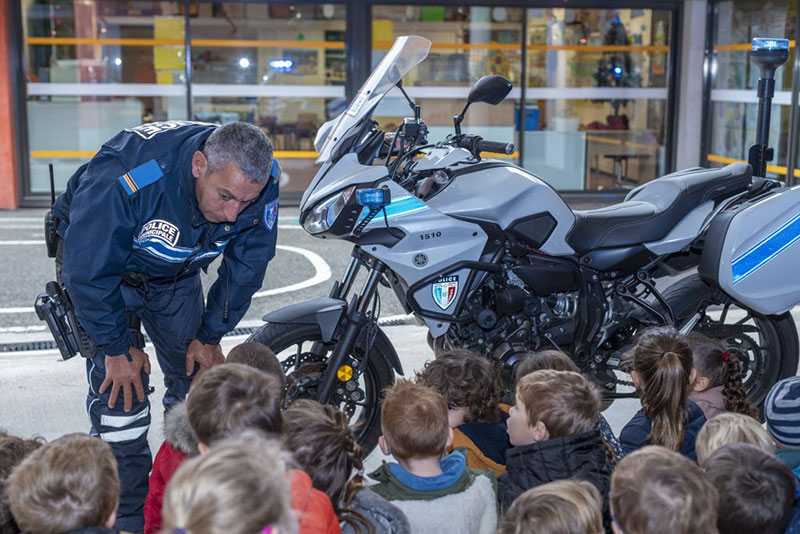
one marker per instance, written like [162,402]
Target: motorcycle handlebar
[494,146]
[476,145]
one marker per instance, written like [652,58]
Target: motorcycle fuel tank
[503,194]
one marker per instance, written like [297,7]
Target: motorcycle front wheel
[359,397]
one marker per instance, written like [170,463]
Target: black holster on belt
[56,309]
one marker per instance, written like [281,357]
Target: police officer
[155,205]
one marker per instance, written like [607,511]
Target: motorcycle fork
[357,319]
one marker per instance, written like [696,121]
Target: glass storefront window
[280,66]
[735,79]
[595,115]
[95,67]
[467,43]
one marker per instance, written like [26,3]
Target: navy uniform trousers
[171,314]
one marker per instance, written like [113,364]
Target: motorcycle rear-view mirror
[489,90]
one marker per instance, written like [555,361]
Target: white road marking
[322,273]
[41,242]
[21,329]
[16,310]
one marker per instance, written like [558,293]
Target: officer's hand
[122,374]
[206,356]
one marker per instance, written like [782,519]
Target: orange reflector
[345,373]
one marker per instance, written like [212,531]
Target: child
[782,415]
[717,386]
[12,451]
[180,442]
[472,390]
[729,427]
[662,372]
[559,361]
[756,488]
[230,399]
[67,485]
[655,490]
[562,507]
[238,486]
[437,494]
[324,445]
[259,357]
[552,427]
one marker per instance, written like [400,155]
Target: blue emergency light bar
[761,43]
[373,198]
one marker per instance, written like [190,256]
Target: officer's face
[224,193]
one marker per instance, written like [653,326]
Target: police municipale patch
[159,230]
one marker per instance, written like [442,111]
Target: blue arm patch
[140,177]
[275,172]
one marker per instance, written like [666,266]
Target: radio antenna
[52,186]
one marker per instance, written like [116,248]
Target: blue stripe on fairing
[765,250]
[399,207]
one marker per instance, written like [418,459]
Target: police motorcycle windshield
[406,53]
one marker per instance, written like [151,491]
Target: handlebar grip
[493,146]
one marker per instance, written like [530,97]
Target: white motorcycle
[489,257]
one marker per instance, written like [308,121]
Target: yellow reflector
[345,373]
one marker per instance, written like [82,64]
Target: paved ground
[44,396]
[302,269]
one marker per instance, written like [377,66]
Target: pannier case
[752,252]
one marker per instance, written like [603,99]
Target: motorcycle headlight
[324,214]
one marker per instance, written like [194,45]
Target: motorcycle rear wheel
[292,343]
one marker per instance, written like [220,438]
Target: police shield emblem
[445,290]
[271,215]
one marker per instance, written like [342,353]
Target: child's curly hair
[721,368]
[465,380]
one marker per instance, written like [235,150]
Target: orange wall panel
[9,181]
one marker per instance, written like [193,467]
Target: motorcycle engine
[510,320]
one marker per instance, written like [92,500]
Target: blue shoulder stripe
[140,177]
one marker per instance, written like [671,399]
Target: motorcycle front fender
[323,311]
[326,312]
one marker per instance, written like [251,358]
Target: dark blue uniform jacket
[132,208]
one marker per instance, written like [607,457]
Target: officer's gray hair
[245,145]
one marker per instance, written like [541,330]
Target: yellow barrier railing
[775,169]
[280,154]
[335,45]
[83,154]
[740,47]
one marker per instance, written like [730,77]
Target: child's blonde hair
[655,489]
[561,507]
[67,484]
[238,486]
[727,428]
[566,402]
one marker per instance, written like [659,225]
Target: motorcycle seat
[650,211]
